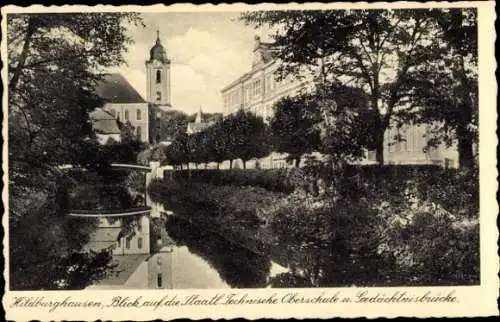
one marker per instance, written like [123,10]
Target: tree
[444,92]
[54,64]
[292,127]
[371,49]
[169,124]
[218,142]
[198,147]
[347,126]
[250,136]
[178,153]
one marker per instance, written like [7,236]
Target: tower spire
[198,116]
[157,36]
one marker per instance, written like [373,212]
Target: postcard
[250,161]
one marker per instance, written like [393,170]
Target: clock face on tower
[157,63]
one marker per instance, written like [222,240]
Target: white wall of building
[135,113]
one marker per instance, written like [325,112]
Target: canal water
[159,250]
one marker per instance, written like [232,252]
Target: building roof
[103,122]
[114,88]
[158,52]
[263,56]
[194,127]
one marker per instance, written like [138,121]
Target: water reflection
[159,250]
[181,255]
[239,267]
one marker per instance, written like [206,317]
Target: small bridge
[110,212]
[125,166]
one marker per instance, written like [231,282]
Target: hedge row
[271,179]
[454,189]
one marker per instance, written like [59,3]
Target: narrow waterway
[158,249]
[182,255]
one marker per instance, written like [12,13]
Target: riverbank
[365,232]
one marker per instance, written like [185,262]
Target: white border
[473,300]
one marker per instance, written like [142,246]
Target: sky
[207,52]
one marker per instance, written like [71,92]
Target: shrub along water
[400,225]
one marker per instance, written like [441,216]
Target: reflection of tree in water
[236,265]
[333,264]
[104,190]
[100,196]
[108,190]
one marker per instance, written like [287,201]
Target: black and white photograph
[242,149]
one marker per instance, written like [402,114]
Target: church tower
[158,75]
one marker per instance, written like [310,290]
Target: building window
[127,243]
[417,139]
[256,88]
[138,114]
[158,96]
[127,116]
[269,83]
[410,137]
[158,77]
[112,112]
[159,281]
[139,225]
[139,133]
[139,242]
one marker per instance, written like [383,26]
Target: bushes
[455,190]
[429,245]
[277,180]
[398,225]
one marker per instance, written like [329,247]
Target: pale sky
[207,50]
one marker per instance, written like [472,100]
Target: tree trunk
[244,164]
[297,161]
[465,153]
[30,30]
[231,164]
[464,136]
[218,165]
[379,146]
[382,122]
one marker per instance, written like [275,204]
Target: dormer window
[158,77]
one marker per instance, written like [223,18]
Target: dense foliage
[398,57]
[278,180]
[382,225]
[55,62]
[242,135]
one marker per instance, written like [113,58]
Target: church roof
[114,88]
[158,52]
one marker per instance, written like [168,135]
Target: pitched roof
[103,122]
[114,88]
[194,127]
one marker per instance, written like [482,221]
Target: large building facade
[258,90]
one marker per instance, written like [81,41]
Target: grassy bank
[376,226]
